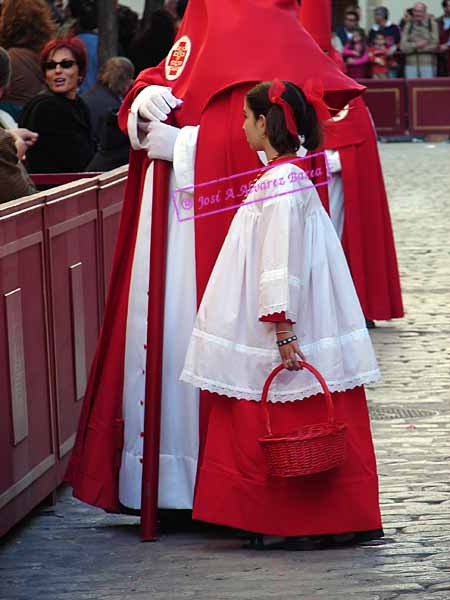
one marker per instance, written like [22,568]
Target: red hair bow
[276,90]
[313,90]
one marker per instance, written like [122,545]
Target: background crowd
[418,46]
[58,106]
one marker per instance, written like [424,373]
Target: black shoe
[370,324]
[256,542]
[303,543]
[352,539]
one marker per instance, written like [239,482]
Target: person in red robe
[216,59]
[357,195]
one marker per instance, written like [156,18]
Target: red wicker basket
[310,449]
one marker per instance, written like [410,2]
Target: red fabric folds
[367,239]
[234,488]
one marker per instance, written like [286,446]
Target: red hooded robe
[229,52]
[367,238]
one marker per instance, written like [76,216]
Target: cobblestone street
[74,552]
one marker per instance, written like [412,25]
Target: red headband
[276,89]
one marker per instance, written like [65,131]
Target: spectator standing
[350,25]
[180,9]
[419,42]
[392,36]
[59,115]
[128,21]
[407,18]
[14,180]
[25,27]
[378,57]
[356,56]
[153,40]
[85,13]
[443,24]
[103,100]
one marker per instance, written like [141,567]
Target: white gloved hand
[160,140]
[155,102]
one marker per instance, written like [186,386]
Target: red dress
[234,489]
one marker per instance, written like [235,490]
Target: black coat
[113,146]
[101,102]
[66,143]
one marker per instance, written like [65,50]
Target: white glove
[155,102]
[160,140]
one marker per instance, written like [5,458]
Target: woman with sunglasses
[59,115]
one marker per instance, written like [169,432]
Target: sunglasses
[50,65]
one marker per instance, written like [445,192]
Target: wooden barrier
[56,252]
[415,107]
[386,99]
[428,106]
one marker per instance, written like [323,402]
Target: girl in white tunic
[281,276]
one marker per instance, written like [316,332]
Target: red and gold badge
[177,58]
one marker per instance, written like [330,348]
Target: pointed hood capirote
[315,16]
[224,43]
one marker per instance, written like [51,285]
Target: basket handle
[315,372]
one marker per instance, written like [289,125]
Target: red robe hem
[234,488]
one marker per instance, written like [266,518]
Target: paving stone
[75,552]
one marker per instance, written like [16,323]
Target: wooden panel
[386,100]
[26,481]
[20,244]
[110,220]
[18,390]
[428,102]
[27,448]
[78,328]
[74,292]
[110,196]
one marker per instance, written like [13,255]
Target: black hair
[352,12]
[444,4]
[180,8]
[383,11]
[85,11]
[304,113]
[5,68]
[153,40]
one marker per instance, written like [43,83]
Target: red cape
[367,238]
[229,53]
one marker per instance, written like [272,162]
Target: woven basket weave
[310,449]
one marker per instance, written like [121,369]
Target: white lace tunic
[281,254]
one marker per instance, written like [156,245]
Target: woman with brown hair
[25,27]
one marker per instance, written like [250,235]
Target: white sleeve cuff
[184,156]
[334,161]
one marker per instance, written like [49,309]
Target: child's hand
[290,355]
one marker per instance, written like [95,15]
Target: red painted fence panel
[55,258]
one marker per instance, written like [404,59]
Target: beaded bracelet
[288,340]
